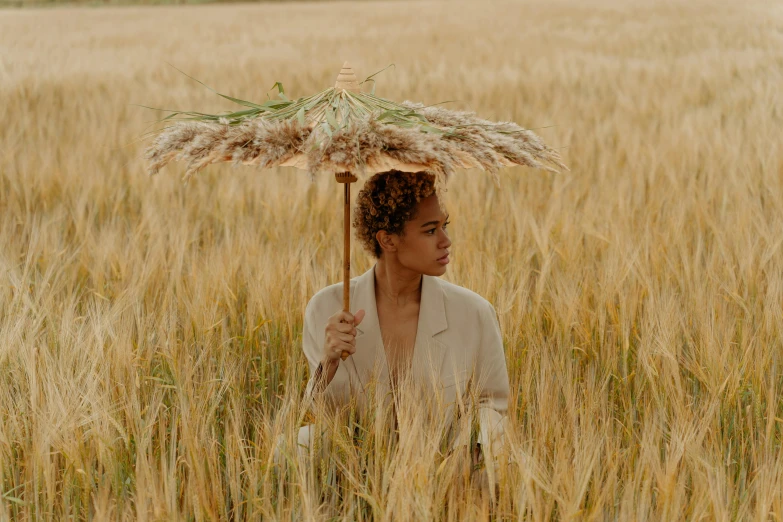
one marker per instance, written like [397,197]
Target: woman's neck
[396,284]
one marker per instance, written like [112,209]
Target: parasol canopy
[342,129]
[348,133]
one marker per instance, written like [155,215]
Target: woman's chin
[438,270]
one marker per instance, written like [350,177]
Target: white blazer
[458,336]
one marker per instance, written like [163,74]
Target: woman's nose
[445,242]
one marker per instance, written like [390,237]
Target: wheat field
[150,332]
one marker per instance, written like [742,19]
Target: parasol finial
[346,80]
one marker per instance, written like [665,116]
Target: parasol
[350,134]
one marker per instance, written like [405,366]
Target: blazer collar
[432,308]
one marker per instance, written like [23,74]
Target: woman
[408,322]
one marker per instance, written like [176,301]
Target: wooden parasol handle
[346,178]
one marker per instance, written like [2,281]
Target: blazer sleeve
[493,374]
[312,346]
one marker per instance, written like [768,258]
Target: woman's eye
[432,230]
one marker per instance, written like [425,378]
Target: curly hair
[386,202]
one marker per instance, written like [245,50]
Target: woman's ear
[388,242]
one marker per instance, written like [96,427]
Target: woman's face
[424,246]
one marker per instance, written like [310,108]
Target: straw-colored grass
[149,332]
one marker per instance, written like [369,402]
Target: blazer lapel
[428,352]
[369,354]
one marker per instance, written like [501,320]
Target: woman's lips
[444,260]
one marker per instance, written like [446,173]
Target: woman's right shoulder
[325,301]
